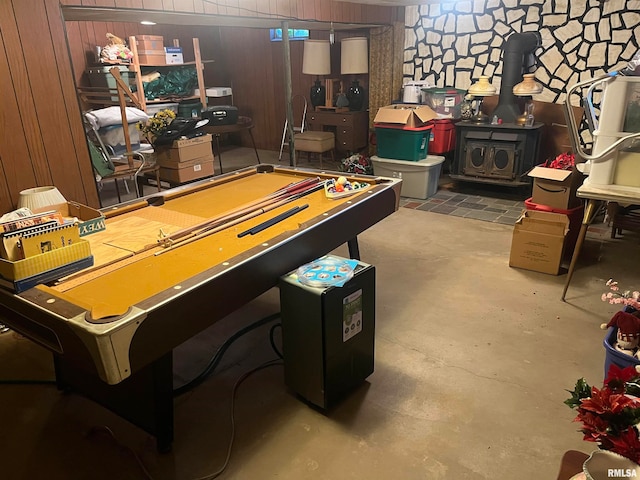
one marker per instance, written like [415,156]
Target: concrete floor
[473,360]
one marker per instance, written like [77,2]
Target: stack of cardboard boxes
[186,160]
[547,231]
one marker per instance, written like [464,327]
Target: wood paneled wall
[41,135]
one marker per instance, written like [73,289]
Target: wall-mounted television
[275,34]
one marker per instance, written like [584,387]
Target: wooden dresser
[351,128]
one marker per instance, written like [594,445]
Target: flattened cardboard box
[405,115]
[538,241]
[193,170]
[555,188]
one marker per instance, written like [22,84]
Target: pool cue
[248,216]
[272,221]
[166,242]
[74,280]
[291,190]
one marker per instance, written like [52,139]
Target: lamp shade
[482,88]
[528,86]
[316,59]
[354,56]
[40,197]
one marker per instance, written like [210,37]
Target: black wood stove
[501,153]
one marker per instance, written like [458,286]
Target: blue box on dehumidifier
[403,143]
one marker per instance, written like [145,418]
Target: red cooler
[443,136]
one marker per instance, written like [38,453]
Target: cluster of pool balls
[343,185]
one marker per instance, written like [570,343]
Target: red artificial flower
[617,377]
[564,161]
[604,401]
[594,427]
[627,444]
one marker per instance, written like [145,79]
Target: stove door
[475,158]
[501,161]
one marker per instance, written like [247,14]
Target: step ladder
[296,128]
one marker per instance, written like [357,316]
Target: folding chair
[135,163]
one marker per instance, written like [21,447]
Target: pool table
[112,327]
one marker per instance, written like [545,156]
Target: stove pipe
[517,56]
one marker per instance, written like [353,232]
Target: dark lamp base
[355,96]
[317,94]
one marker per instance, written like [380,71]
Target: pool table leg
[145,398]
[354,249]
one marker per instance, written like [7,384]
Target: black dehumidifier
[327,331]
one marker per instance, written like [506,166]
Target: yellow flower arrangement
[156,125]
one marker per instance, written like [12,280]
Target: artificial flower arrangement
[610,415]
[617,297]
[357,163]
[564,161]
[156,125]
[626,321]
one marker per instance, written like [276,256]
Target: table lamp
[528,86]
[40,197]
[316,60]
[354,61]
[482,88]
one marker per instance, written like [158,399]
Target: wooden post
[288,92]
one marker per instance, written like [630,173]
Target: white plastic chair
[296,129]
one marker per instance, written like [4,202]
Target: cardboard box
[185,142]
[188,171]
[214,92]
[152,59]
[175,163]
[90,220]
[405,115]
[185,150]
[538,241]
[556,188]
[47,267]
[173,55]
[154,43]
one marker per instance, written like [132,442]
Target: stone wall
[452,44]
